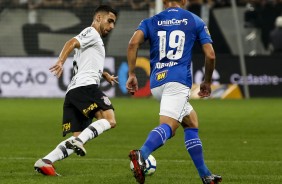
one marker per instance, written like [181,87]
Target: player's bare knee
[98,115]
[110,117]
[112,122]
[190,121]
[193,119]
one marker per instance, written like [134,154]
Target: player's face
[107,24]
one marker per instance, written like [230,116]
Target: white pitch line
[163,160]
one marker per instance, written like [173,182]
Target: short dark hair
[173,1]
[105,8]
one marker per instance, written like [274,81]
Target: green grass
[241,140]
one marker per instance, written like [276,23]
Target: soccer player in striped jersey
[172,34]
[84,100]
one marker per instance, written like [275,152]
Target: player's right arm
[68,48]
[136,40]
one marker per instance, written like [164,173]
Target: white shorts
[174,100]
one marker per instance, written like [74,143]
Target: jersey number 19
[176,41]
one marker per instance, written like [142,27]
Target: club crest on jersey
[106,100]
[86,32]
[207,30]
[161,75]
[66,126]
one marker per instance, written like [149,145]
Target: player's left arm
[205,87]
[209,61]
[205,40]
[112,79]
[68,48]
[136,40]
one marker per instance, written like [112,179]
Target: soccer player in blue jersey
[172,34]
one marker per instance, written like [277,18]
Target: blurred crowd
[70,4]
[117,4]
[259,14]
[265,15]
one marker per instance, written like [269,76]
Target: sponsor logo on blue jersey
[172,10]
[172,22]
[162,65]
[161,75]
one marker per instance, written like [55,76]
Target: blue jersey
[172,34]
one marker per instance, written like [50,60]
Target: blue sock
[156,138]
[194,147]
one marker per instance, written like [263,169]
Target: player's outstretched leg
[213,179]
[77,146]
[45,167]
[45,164]
[139,165]
[92,131]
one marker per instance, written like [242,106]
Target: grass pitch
[241,140]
